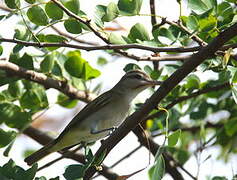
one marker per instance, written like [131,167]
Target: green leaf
[13,4]
[173,138]
[34,99]
[164,32]
[226,57]
[74,172]
[73,26]
[130,67]
[37,16]
[30,173]
[138,32]
[17,48]
[8,111]
[193,82]
[198,6]
[219,178]
[233,73]
[15,88]
[192,23]
[26,61]
[102,61]
[78,67]
[234,92]
[54,39]
[129,7]
[19,120]
[53,11]
[111,12]
[74,66]
[1,50]
[225,13]
[40,178]
[116,39]
[207,24]
[57,70]
[6,137]
[12,171]
[73,6]
[66,102]
[89,72]
[158,170]
[47,64]
[2,17]
[100,11]
[22,33]
[30,1]
[231,126]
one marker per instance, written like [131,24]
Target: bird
[99,117]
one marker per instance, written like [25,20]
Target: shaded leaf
[47,64]
[74,172]
[53,11]
[13,4]
[72,26]
[6,137]
[129,7]
[72,5]
[173,138]
[37,16]
[66,102]
[158,170]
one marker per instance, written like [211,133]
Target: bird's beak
[153,83]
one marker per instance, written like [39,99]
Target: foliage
[21,98]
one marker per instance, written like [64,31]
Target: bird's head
[134,82]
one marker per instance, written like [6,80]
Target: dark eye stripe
[136,76]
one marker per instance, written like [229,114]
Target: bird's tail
[36,156]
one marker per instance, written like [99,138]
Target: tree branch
[113,47]
[132,121]
[153,12]
[47,82]
[44,139]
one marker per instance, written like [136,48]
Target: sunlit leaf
[138,32]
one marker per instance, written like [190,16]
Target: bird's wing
[90,108]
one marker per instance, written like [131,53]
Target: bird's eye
[137,76]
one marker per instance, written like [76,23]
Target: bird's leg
[84,145]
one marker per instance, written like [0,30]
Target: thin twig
[64,154]
[114,47]
[73,38]
[193,129]
[126,156]
[195,94]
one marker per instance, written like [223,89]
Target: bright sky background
[111,73]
